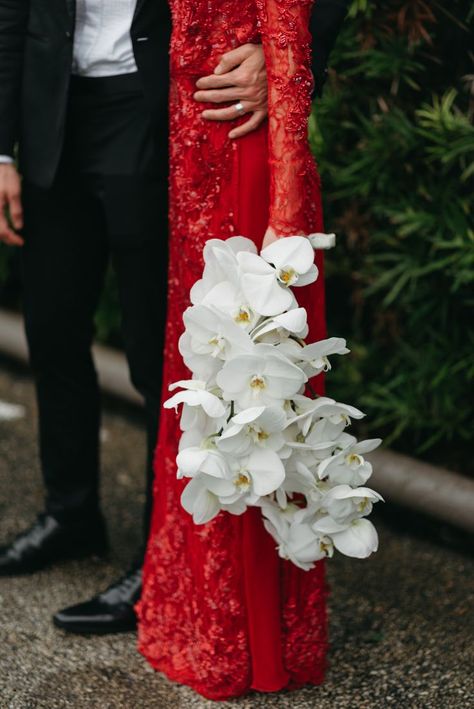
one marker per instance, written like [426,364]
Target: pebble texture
[401,623]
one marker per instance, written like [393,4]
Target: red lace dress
[219,610]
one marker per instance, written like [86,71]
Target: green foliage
[395,145]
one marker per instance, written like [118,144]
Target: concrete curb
[411,483]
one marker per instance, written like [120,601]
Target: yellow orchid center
[257,382]
[218,344]
[287,276]
[324,546]
[243,316]
[242,481]
[354,459]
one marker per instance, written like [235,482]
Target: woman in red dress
[220,611]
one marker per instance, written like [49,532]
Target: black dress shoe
[109,612]
[48,541]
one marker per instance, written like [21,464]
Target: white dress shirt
[102,41]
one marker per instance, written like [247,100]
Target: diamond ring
[239,107]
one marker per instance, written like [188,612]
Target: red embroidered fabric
[219,610]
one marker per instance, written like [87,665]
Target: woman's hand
[270,237]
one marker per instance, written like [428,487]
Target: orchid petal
[359,540]
[295,251]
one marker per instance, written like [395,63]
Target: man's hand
[10,200]
[240,77]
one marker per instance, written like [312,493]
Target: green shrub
[395,146]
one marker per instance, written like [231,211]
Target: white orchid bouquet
[251,434]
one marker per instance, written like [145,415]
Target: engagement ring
[239,107]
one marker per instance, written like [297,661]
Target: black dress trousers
[108,201]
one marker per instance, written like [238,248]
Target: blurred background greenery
[394,141]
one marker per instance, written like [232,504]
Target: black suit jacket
[326,21]
[36,42]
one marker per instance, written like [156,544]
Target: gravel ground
[401,623]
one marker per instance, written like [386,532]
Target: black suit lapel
[139,7]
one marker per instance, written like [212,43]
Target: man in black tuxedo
[83,92]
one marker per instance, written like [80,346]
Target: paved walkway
[401,629]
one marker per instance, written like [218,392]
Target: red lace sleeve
[284,27]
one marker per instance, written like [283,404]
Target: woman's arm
[284,27]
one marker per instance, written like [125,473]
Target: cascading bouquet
[251,435]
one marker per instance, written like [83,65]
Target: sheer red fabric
[219,610]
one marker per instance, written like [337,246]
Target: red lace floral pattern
[219,610]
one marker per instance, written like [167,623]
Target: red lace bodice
[203,30]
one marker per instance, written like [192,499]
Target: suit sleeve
[286,40]
[326,21]
[13,23]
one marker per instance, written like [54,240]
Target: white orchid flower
[266,279]
[198,429]
[294,322]
[260,473]
[203,368]
[199,501]
[302,480]
[195,418]
[213,334]
[196,461]
[357,539]
[259,427]
[292,530]
[344,504]
[195,394]
[295,253]
[325,437]
[249,479]
[308,410]
[264,378]
[200,497]
[197,438]
[314,358]
[229,300]
[349,466]
[257,474]
[220,264]
[317,445]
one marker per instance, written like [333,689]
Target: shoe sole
[89,630]
[101,554]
